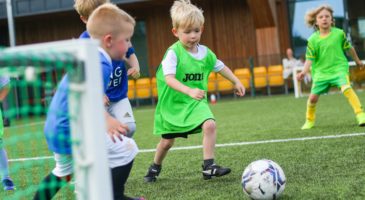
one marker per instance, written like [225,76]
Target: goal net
[34,72]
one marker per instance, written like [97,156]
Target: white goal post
[92,173]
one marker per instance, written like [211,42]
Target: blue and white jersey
[118,85]
[4,81]
[57,125]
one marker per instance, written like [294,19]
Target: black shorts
[175,135]
[198,129]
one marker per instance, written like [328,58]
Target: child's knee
[345,87]
[313,99]
[166,144]
[209,125]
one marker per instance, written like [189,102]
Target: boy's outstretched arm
[134,69]
[194,93]
[356,58]
[307,65]
[227,73]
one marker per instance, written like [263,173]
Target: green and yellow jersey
[328,55]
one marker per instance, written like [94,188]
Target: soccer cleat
[308,125]
[214,170]
[133,198]
[152,174]
[361,119]
[8,184]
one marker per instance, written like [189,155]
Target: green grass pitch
[315,169]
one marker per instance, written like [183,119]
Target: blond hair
[310,17]
[184,14]
[86,7]
[109,19]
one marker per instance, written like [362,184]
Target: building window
[140,46]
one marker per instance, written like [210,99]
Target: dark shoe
[214,170]
[152,174]
[8,184]
[6,122]
[133,198]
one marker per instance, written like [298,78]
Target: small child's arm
[356,58]
[4,92]
[307,65]
[194,93]
[133,63]
[227,73]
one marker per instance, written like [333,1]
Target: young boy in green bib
[182,80]
[326,54]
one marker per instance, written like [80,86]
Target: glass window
[139,43]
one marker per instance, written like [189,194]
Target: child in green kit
[326,54]
[182,80]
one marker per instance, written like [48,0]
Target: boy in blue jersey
[114,28]
[4,167]
[116,99]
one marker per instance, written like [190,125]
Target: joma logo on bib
[193,77]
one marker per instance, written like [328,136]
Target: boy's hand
[360,64]
[300,76]
[106,100]
[134,73]
[115,128]
[196,93]
[240,89]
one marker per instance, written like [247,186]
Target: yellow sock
[311,111]
[353,100]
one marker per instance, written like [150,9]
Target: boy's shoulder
[314,36]
[335,29]
[84,34]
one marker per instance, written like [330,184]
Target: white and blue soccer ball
[263,180]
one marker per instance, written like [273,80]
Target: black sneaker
[214,170]
[8,184]
[152,174]
[6,122]
[133,198]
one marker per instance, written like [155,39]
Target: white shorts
[122,111]
[64,165]
[119,153]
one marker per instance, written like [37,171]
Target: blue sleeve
[106,72]
[130,52]
[85,35]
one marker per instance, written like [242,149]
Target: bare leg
[162,149]
[209,140]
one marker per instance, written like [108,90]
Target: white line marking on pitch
[25,125]
[224,145]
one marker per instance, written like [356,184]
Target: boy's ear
[107,40]
[83,19]
[174,31]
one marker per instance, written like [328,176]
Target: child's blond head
[184,14]
[86,7]
[109,19]
[310,17]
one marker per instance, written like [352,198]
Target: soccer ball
[263,180]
